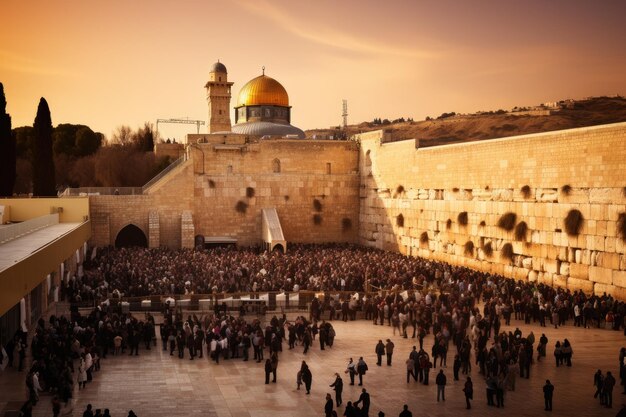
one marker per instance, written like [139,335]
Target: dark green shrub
[566,189]
[317,205]
[241,207]
[488,249]
[507,252]
[520,231]
[507,221]
[573,222]
[468,248]
[317,219]
[462,218]
[400,220]
[526,191]
[249,192]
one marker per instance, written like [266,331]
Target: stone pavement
[155,384]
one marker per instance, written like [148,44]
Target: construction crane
[345,114]
[185,121]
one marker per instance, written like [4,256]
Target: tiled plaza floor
[155,384]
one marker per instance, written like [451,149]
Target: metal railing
[161,174]
[13,231]
[85,191]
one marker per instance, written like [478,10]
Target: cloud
[330,37]
[11,61]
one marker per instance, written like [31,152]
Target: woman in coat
[307,377]
[468,389]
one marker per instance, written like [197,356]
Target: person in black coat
[548,391]
[328,407]
[268,370]
[338,387]
[380,351]
[307,376]
[364,399]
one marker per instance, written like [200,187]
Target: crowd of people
[421,299]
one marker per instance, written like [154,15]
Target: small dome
[218,67]
[268,129]
[263,90]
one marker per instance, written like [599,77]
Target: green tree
[43,163]
[145,137]
[7,150]
[87,141]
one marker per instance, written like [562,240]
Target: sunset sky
[108,63]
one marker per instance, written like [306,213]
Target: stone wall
[224,186]
[416,201]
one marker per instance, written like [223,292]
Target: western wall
[432,201]
[220,190]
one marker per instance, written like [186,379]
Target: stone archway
[278,248]
[129,236]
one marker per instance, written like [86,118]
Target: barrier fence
[249,302]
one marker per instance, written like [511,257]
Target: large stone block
[619,279]
[574,284]
[551,266]
[579,271]
[559,281]
[600,275]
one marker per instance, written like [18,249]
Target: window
[328,168]
[276,166]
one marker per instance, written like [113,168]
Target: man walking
[380,351]
[441,385]
[389,348]
[338,387]
[365,399]
[548,390]
[405,412]
[328,408]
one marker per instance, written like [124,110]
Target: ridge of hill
[455,128]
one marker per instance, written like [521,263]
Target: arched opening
[276,166]
[198,242]
[368,158]
[278,248]
[130,236]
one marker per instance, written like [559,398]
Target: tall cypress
[7,149]
[43,163]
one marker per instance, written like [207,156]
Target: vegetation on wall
[507,221]
[400,220]
[621,226]
[317,219]
[462,218]
[507,251]
[566,189]
[399,190]
[211,184]
[573,222]
[249,192]
[448,224]
[455,189]
[346,224]
[286,198]
[526,191]
[317,205]
[424,238]
[468,248]
[482,223]
[521,230]
[488,249]
[241,207]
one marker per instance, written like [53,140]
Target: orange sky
[125,62]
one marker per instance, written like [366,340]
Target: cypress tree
[43,163]
[7,150]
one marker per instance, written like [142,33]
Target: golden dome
[263,90]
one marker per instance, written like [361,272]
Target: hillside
[480,126]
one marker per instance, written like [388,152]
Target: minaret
[218,97]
